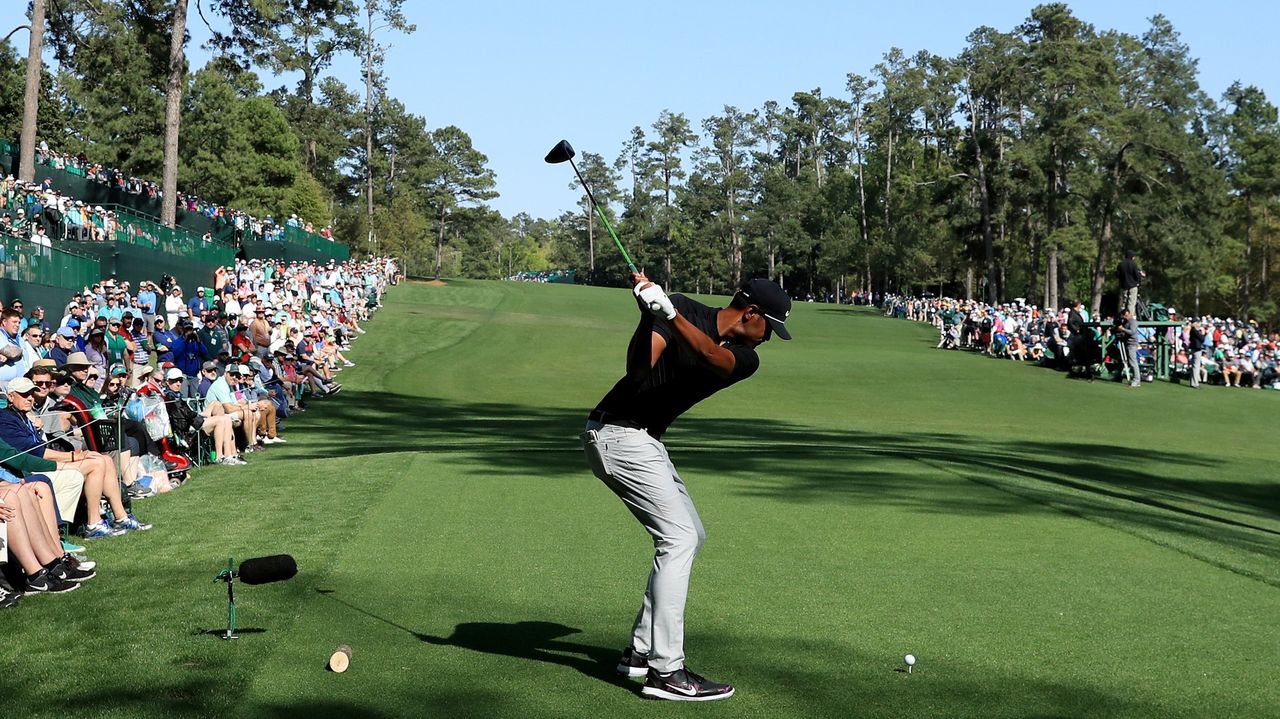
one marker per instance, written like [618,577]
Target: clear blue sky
[519,76]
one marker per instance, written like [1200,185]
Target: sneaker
[350,364]
[9,597]
[73,560]
[228,462]
[138,490]
[335,388]
[269,440]
[49,583]
[100,530]
[63,570]
[633,663]
[683,685]
[130,524]
[69,547]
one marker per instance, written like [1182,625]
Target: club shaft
[631,265]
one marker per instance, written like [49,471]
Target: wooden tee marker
[340,659]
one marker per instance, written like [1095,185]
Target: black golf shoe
[633,663]
[683,685]
[45,581]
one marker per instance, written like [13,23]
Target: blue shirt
[147,301]
[18,432]
[169,339]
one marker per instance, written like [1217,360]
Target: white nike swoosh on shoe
[691,691]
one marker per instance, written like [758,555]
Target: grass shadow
[537,641]
[532,640]
[1160,490]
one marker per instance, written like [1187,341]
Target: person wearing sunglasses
[179,402]
[99,478]
[64,484]
[119,346]
[34,336]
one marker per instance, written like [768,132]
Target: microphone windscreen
[263,570]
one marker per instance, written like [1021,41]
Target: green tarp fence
[24,261]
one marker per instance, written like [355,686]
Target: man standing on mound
[681,353]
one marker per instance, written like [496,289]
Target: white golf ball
[910,659]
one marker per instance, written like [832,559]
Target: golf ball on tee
[910,659]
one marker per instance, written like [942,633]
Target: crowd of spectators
[543,276]
[1209,350]
[37,212]
[131,388]
[240,226]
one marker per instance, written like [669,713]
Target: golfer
[681,353]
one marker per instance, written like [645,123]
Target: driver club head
[560,153]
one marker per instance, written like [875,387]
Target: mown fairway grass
[1045,547]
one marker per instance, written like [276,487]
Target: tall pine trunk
[368,135]
[1104,240]
[591,239]
[888,190]
[1247,292]
[984,197]
[440,241]
[862,199]
[1051,278]
[173,115]
[735,240]
[31,95]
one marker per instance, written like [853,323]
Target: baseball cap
[66,332]
[772,301]
[21,385]
[174,373]
[209,365]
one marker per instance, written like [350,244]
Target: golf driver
[564,151]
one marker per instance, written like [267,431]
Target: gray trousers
[1128,301]
[1197,366]
[1130,354]
[636,467]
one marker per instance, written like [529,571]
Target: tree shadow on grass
[1171,492]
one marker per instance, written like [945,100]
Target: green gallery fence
[71,181]
[24,261]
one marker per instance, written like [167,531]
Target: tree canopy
[1023,166]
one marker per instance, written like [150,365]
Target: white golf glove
[656,300]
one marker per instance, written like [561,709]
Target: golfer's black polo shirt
[679,380]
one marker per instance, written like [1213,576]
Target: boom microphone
[264,570]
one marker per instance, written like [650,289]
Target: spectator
[16,356]
[224,392]
[63,344]
[1130,278]
[148,302]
